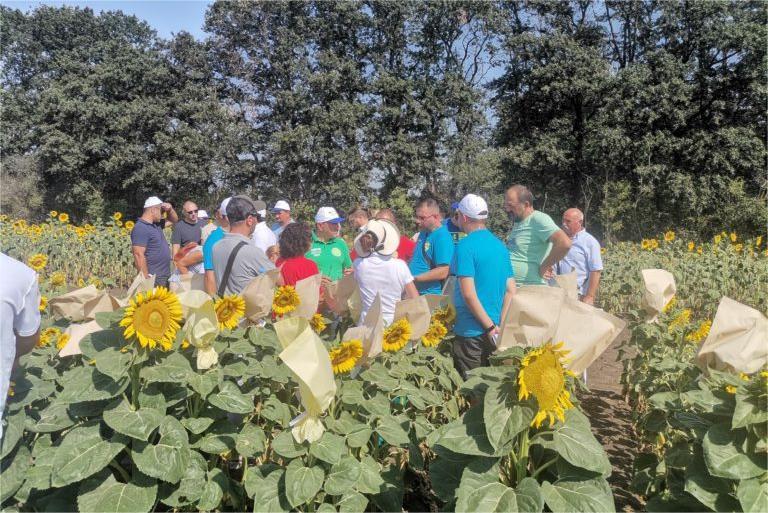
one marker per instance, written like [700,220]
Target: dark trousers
[471,352]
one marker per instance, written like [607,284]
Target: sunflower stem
[134,374]
[521,464]
[544,467]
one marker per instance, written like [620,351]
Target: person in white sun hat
[282,211]
[329,251]
[151,253]
[379,271]
[485,289]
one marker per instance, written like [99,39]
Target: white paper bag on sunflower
[417,311]
[737,340]
[569,283]
[201,327]
[659,290]
[586,332]
[77,332]
[259,294]
[437,301]
[304,353]
[187,282]
[100,304]
[532,316]
[72,304]
[139,285]
[308,290]
[374,325]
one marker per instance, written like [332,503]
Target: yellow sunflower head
[445,316]
[396,335]
[691,246]
[286,300]
[318,323]
[700,334]
[229,310]
[63,217]
[153,318]
[38,261]
[81,283]
[117,216]
[669,236]
[344,357]
[434,334]
[129,225]
[681,321]
[733,237]
[53,214]
[62,341]
[670,305]
[542,375]
[48,335]
[43,303]
[730,389]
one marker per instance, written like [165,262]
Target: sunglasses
[190,212]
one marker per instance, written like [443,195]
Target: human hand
[546,272]
[165,207]
[348,271]
[590,300]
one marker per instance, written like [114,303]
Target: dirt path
[611,420]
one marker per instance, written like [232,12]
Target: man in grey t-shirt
[248,261]
[189,229]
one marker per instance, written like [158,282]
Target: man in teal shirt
[535,243]
[434,249]
[329,251]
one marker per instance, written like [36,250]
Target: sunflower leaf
[574,441]
[104,493]
[82,453]
[168,458]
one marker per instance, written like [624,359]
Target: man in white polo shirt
[263,237]
[282,211]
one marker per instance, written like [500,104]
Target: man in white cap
[263,237]
[151,253]
[485,288]
[329,251]
[213,238]
[282,211]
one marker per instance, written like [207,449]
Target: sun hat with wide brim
[387,236]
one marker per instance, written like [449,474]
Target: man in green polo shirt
[329,251]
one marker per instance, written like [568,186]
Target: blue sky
[167,17]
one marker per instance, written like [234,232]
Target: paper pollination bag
[568,282]
[436,301]
[100,304]
[304,353]
[259,294]
[737,340]
[77,332]
[450,286]
[140,284]
[308,290]
[373,332]
[72,304]
[417,311]
[341,291]
[187,282]
[532,316]
[659,290]
[586,332]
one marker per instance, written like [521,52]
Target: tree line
[647,115]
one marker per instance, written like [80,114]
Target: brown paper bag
[71,305]
[339,293]
[187,282]
[259,294]
[374,324]
[416,310]
[77,332]
[102,303]
[660,288]
[532,316]
[737,340]
[586,332]
[355,305]
[308,290]
[436,301]
[140,284]
[568,282]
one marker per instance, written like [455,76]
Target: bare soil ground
[611,419]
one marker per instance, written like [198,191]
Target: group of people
[240,246]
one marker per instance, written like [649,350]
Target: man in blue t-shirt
[151,253]
[485,287]
[434,249]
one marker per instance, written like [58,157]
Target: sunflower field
[176,403]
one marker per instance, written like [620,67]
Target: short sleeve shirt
[331,257]
[438,248]
[215,236]
[183,232]
[583,257]
[249,262]
[529,245]
[296,269]
[483,257]
[385,276]
[19,313]
[157,253]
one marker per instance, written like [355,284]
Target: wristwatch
[489,329]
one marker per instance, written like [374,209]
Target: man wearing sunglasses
[189,229]
[434,249]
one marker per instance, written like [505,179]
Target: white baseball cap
[281,205]
[223,207]
[202,214]
[473,206]
[152,201]
[328,215]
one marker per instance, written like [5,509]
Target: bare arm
[25,345]
[174,249]
[140,259]
[510,292]
[594,283]
[439,273]
[469,293]
[172,218]
[411,291]
[561,244]
[210,282]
